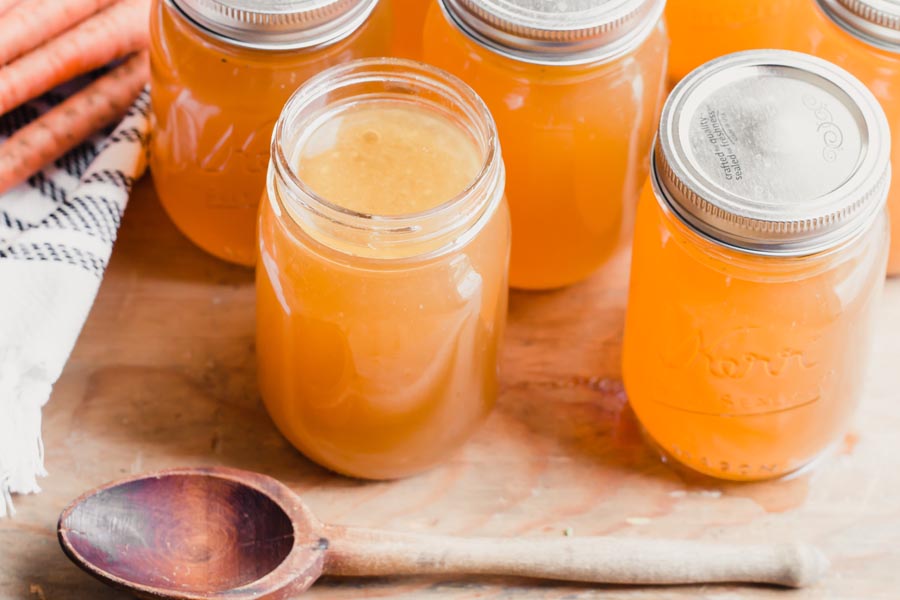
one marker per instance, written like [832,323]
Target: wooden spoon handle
[359,552]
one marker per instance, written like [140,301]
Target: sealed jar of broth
[760,250]
[382,274]
[221,72]
[863,36]
[575,89]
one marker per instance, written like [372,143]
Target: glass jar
[409,22]
[863,36]
[576,90]
[759,253]
[702,30]
[378,336]
[221,72]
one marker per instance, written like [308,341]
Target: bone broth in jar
[382,275]
[576,88]
[221,72]
[760,250]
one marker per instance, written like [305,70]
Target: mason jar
[759,255]
[378,335]
[576,89]
[221,72]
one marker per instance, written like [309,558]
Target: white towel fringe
[21,446]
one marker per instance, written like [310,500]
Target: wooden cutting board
[163,376]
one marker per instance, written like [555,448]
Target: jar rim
[595,36]
[404,75]
[667,204]
[875,22]
[276,25]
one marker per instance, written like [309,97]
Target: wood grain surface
[163,376]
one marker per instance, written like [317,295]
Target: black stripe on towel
[76,162]
[47,187]
[47,252]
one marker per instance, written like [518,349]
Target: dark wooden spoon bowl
[191,534]
[196,533]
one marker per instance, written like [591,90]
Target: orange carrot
[110,34]
[68,124]
[30,24]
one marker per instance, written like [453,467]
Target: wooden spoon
[224,533]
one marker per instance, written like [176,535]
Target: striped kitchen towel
[56,235]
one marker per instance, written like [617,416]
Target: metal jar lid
[278,24]
[773,152]
[556,31]
[876,21]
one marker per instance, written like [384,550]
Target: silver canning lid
[556,31]
[773,152]
[278,24]
[876,21]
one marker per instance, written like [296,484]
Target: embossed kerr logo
[773,376]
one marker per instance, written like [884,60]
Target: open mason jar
[378,332]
